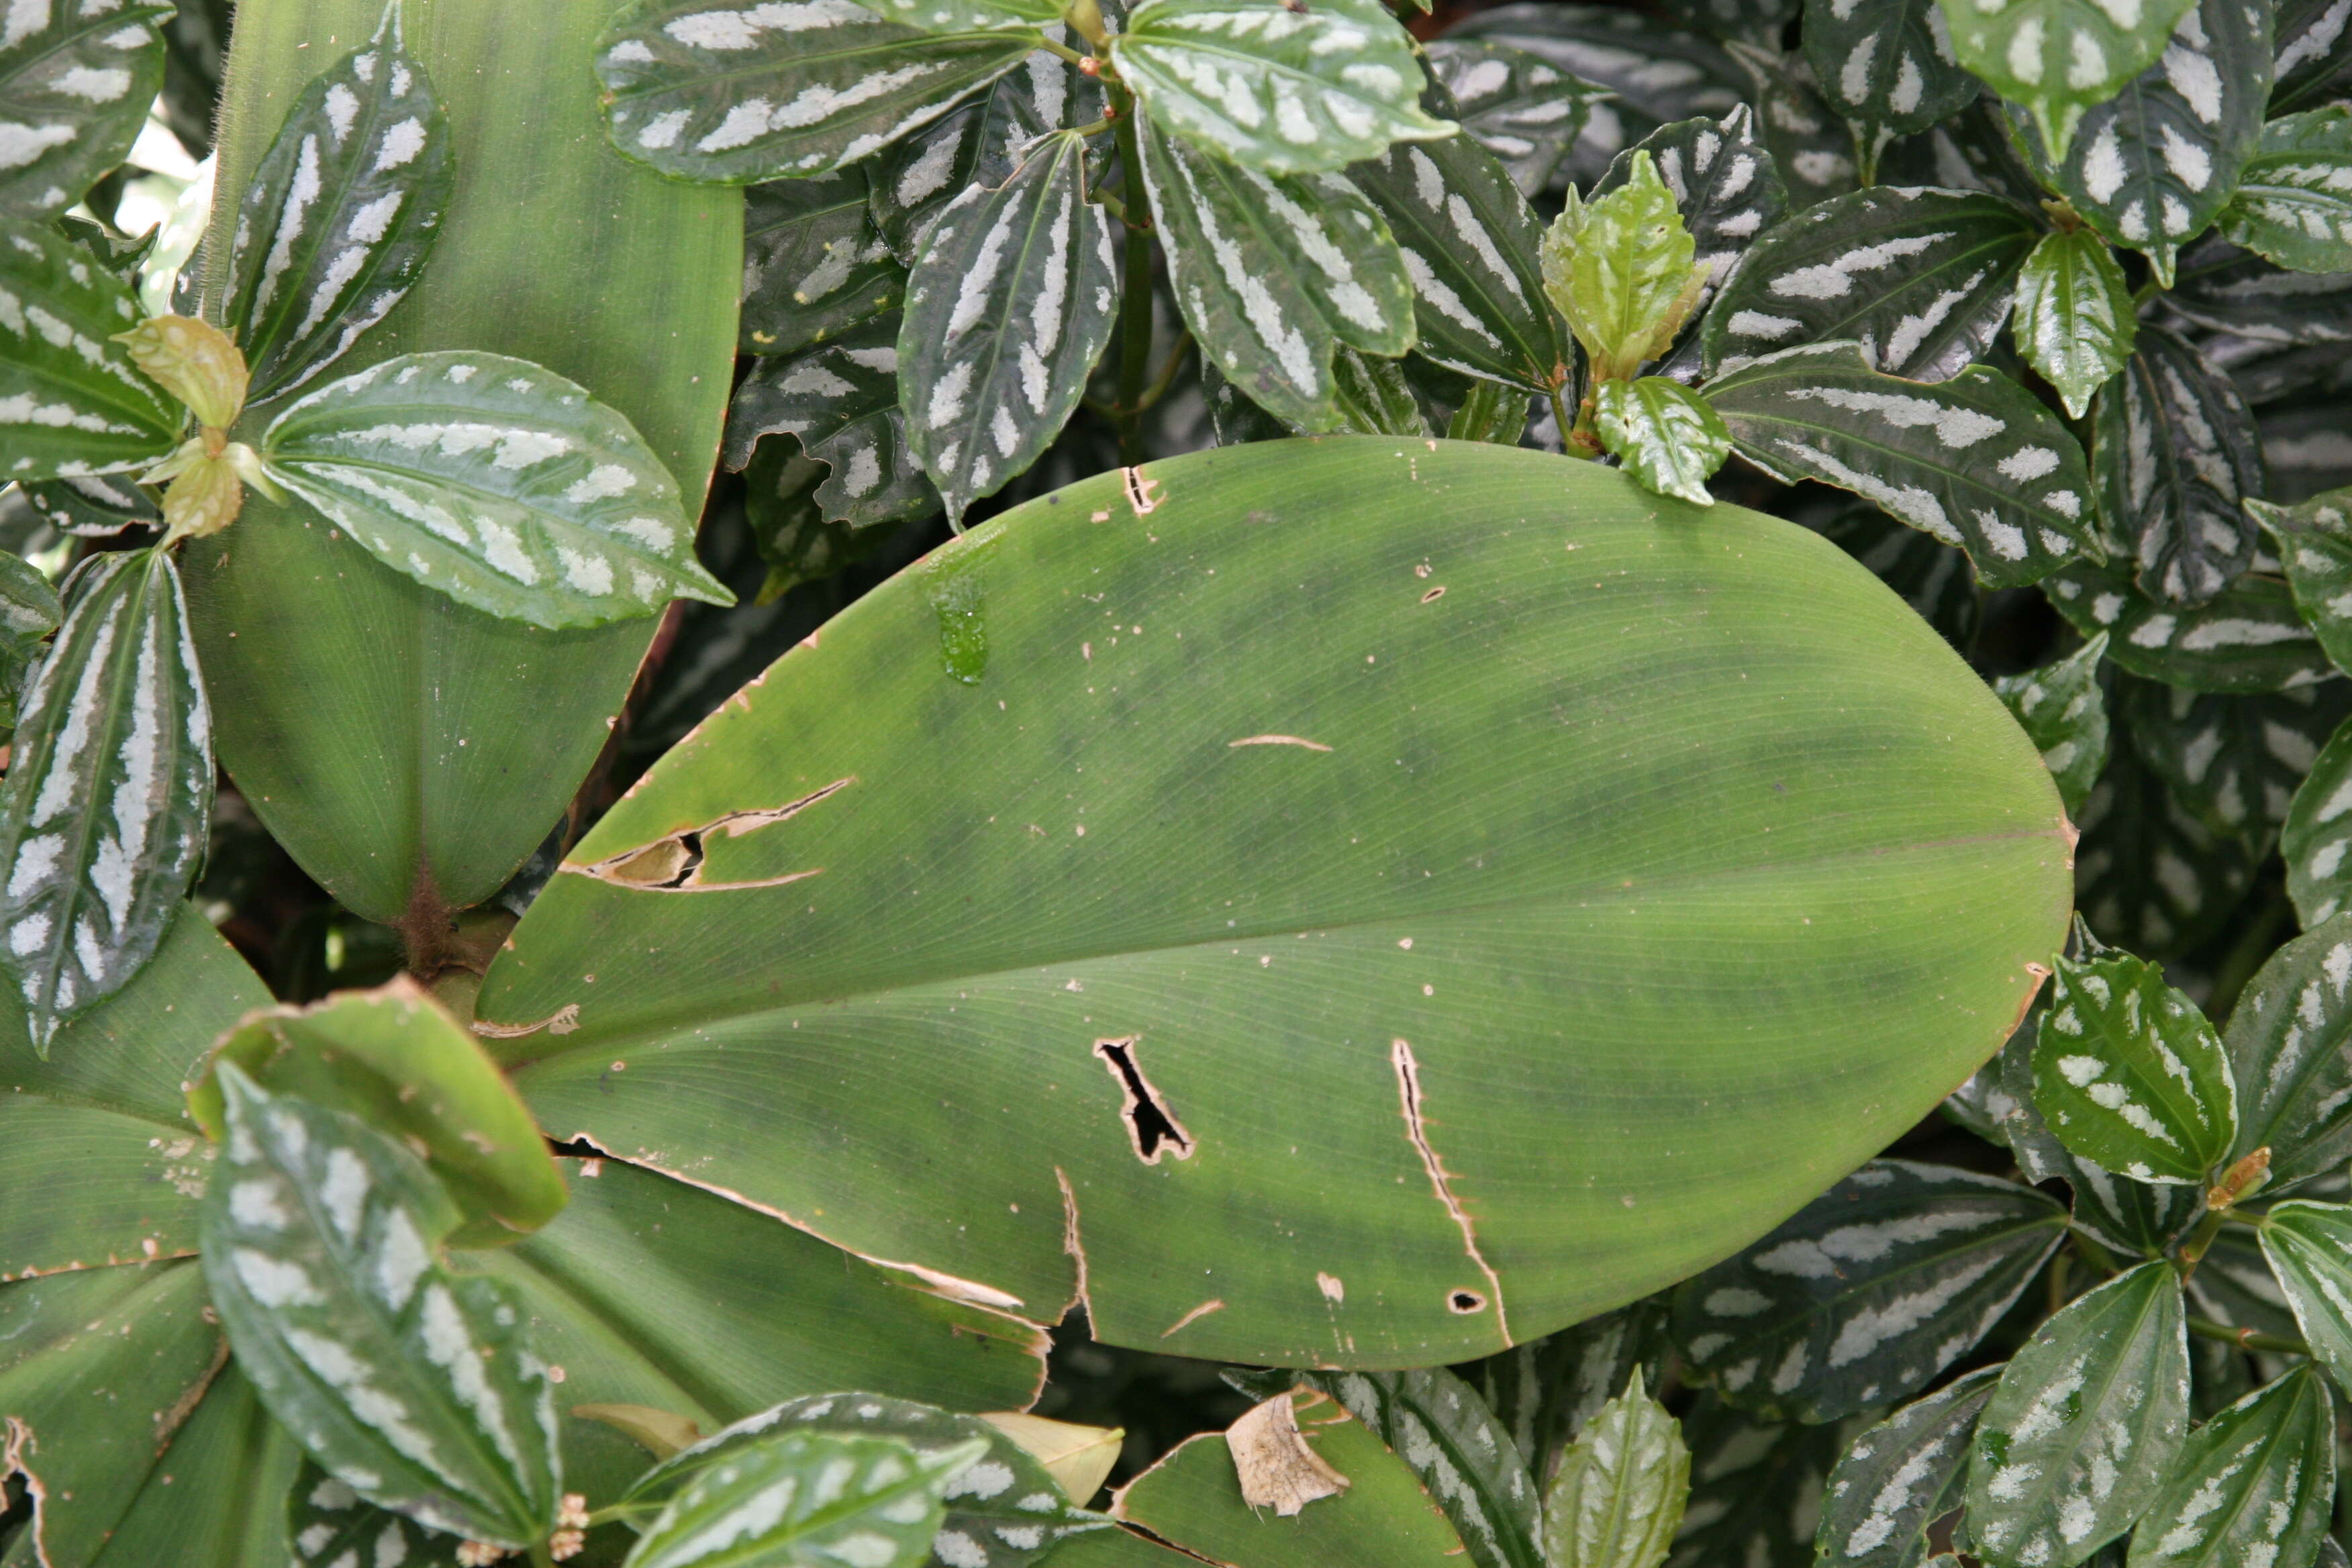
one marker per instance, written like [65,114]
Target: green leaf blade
[1726,182]
[1438,1424]
[1887,68]
[1620,270]
[2255,1484]
[1665,435]
[2317,836]
[2057,57]
[2062,706]
[2074,317]
[75,78]
[2294,203]
[808,1500]
[1900,1477]
[71,403]
[840,400]
[2309,1248]
[815,264]
[1621,1488]
[2176,455]
[2130,1075]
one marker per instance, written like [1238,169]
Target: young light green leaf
[2287,1040]
[340,214]
[76,79]
[92,506]
[1465,1457]
[2248,638]
[1756,1493]
[2129,1074]
[1271,271]
[1887,66]
[807,1500]
[1920,278]
[417,1388]
[71,403]
[1621,1488]
[2175,453]
[2234,760]
[328,1525]
[1285,90]
[737,91]
[109,794]
[978,142]
[1867,1292]
[2149,874]
[1932,577]
[2056,56]
[1724,182]
[1519,107]
[2061,710]
[497,482]
[814,264]
[1899,1477]
[1007,309]
[2294,203]
[2309,1248]
[841,401]
[1620,270]
[2255,1484]
[2077,1438]
[2074,320]
[1665,435]
[1975,461]
[2311,69]
[2317,838]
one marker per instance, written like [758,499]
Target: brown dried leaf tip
[1276,1466]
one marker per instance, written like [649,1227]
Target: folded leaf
[497,482]
[2130,1075]
[807,1500]
[1887,66]
[1724,182]
[1621,1488]
[2061,710]
[2254,1484]
[2287,1040]
[814,264]
[2248,638]
[2176,454]
[2317,838]
[840,399]
[2294,203]
[76,79]
[2056,56]
[1664,434]
[71,402]
[736,91]
[1519,107]
[2233,759]
[2074,320]
[1900,1477]
[1975,461]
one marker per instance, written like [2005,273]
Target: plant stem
[1063,50]
[541,1557]
[1560,414]
[1108,203]
[2192,1251]
[1134,306]
[2246,1339]
[1167,369]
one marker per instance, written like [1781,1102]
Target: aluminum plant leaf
[1372,397]
[2074,320]
[2175,453]
[1932,577]
[340,214]
[1664,434]
[2128,1074]
[29,610]
[815,263]
[327,1523]
[71,403]
[737,91]
[2150,876]
[1900,1477]
[1810,143]
[92,506]
[105,807]
[1754,20]
[970,15]
[1920,278]
[1975,461]
[1544,1392]
[2235,761]
[495,481]
[1275,90]
[2317,835]
[2310,69]
[2227,289]
[2247,637]
[2055,58]
[807,1500]
[2084,1426]
[1887,67]
[2062,706]
[1969,150]
[2254,1484]
[1468,243]
[1519,107]
[417,1388]
[2286,1041]
[840,400]
[1464,1457]
[2305,448]
[2309,1248]
[978,142]
[76,79]
[1183,1001]
[1867,1293]
[1620,270]
[1621,1488]
[1724,182]
[1272,271]
[1007,311]
[1755,1490]
[2293,204]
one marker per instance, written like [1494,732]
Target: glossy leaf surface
[2176,455]
[2248,638]
[2292,205]
[815,263]
[806,1500]
[71,403]
[978,142]
[2132,1219]
[2309,1248]
[840,402]
[1519,107]
[2317,835]
[1724,182]
[2255,1484]
[2056,56]
[1887,65]
[75,78]
[2130,1076]
[1621,1488]
[1620,270]
[2074,319]
[1900,1477]
[2062,706]
[1664,434]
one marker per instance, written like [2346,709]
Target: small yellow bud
[208,476]
[194,361]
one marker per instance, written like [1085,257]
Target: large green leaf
[1620,1494]
[807,1500]
[2128,1074]
[2317,834]
[460,737]
[2063,708]
[71,403]
[1899,1477]
[2055,58]
[216,1498]
[814,262]
[1519,107]
[2255,1484]
[2309,1248]
[1932,577]
[1887,65]
[2074,319]
[75,78]
[2246,638]
[2293,204]
[2175,454]
[1105,1023]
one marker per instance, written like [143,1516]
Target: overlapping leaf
[328,1525]
[737,91]
[2063,711]
[2311,67]
[1726,183]
[2222,287]
[1620,271]
[807,1500]
[497,482]
[1975,461]
[75,78]
[1757,21]
[1664,434]
[2309,1248]
[2255,1484]
[2307,451]
[2287,1042]
[340,214]
[2248,638]
[2317,838]
[1371,396]
[2149,874]
[970,15]
[1755,1490]
[2314,551]
[2294,203]
[978,142]
[1545,1392]
[1465,1458]
[1867,1293]
[92,506]
[1007,311]
[2074,320]
[2234,760]
[71,403]
[1899,1477]
[1519,107]
[2175,453]
[1272,271]
[1887,65]
[2128,1074]
[840,400]
[2077,1438]
[1804,134]
[815,263]
[1920,278]
[2056,56]
[1621,1488]
[1969,150]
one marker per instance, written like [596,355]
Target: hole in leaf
[1465,1301]
[1150,1126]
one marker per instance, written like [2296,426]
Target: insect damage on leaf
[1279,1467]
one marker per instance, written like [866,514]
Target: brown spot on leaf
[1277,1468]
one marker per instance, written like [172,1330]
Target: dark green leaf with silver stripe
[2314,539]
[29,611]
[969,16]
[1755,1490]
[2312,66]
[71,403]
[2147,874]
[2063,711]
[2254,1484]
[2287,1042]
[1372,397]
[2055,58]
[92,506]
[328,1525]
[1544,1392]
[1520,107]
[1726,183]
[1867,1293]
[1663,434]
[2222,287]
[2235,761]
[2072,319]
[841,401]
[805,1500]
[1810,143]
[978,142]
[815,263]
[2309,1246]
[2130,1218]
[2248,638]
[2128,1074]
[2176,454]
[1887,67]
[1932,577]
[1464,1456]
[76,79]
[1899,1477]
[1757,21]
[2316,839]
[2294,201]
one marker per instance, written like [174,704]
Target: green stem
[2193,1250]
[1134,306]
[541,1556]
[1108,203]
[1167,369]
[1063,50]
[1095,127]
[2246,1339]
[2093,1252]
[1559,413]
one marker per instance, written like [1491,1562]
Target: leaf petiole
[2247,1339]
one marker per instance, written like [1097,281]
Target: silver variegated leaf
[92,506]
[841,401]
[417,1388]
[2314,550]
[1755,1490]
[1975,461]
[2248,638]
[2175,454]
[1867,1293]
[2077,1438]
[340,214]
[2054,57]
[2064,712]
[109,793]
[2149,874]
[76,79]
[1288,91]
[2072,319]
[2312,66]
[1899,1477]
[789,532]
[1007,309]
[1726,183]
[2306,449]
[806,1500]
[1489,412]
[1664,434]
[2257,1484]
[1372,396]
[1757,21]
[2128,1074]
[1544,1391]
[1804,134]
[2316,839]
[2288,1041]
[328,1525]
[1920,278]
[737,91]
[1969,150]
[2294,203]
[2132,1219]
[1932,577]
[1520,107]
[815,263]
[1887,67]
[1467,241]
[2153,165]
[71,403]
[1621,1488]
[2234,1286]
[497,482]
[29,611]
[2309,1248]
[1271,271]
[2234,760]
[970,15]
[978,142]
[2227,289]
[1464,1456]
